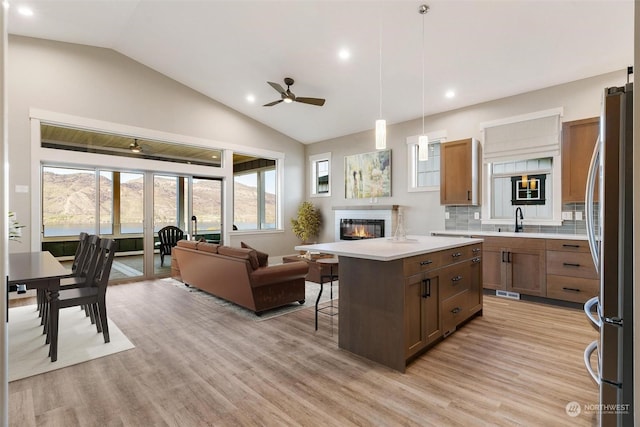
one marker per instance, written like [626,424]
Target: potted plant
[307,223]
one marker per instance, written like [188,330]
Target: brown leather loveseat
[235,274]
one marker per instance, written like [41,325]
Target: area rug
[78,341]
[311,293]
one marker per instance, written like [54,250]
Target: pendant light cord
[423,73]
[380,58]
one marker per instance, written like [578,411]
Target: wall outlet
[476,215]
[567,215]
[446,215]
[578,216]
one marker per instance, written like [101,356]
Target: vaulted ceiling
[228,50]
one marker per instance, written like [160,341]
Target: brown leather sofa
[235,274]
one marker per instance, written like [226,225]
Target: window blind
[524,139]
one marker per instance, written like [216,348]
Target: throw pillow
[263,258]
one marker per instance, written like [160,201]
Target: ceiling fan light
[381,134]
[423,148]
[288,100]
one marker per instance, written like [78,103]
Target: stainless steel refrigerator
[610,231]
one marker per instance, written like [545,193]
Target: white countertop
[510,234]
[387,249]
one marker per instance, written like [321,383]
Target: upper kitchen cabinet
[460,172]
[578,140]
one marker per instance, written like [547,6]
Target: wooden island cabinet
[397,299]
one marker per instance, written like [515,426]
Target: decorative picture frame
[367,175]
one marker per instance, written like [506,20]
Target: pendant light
[381,124]
[423,140]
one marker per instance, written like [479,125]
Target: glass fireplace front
[356,229]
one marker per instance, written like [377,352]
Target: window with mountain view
[254,199]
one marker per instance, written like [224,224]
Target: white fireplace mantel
[388,213]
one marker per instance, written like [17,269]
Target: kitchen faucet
[519,226]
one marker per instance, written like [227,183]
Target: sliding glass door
[111,203]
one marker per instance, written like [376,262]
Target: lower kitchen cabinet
[552,268]
[571,274]
[515,265]
[422,312]
[439,299]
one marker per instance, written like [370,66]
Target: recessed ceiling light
[344,54]
[251,98]
[25,11]
[450,94]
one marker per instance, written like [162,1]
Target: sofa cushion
[242,253]
[208,247]
[188,244]
[263,258]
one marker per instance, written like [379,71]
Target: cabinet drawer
[420,263]
[512,242]
[454,311]
[450,256]
[455,279]
[574,289]
[568,245]
[574,264]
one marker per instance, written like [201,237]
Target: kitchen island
[400,297]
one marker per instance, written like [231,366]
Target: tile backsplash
[462,218]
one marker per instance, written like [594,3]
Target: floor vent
[507,294]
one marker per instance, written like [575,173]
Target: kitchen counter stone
[388,249]
[510,234]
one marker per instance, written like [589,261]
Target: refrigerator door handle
[595,321]
[589,196]
[587,361]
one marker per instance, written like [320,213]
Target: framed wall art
[367,175]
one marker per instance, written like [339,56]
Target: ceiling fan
[288,96]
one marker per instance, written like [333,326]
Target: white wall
[423,213]
[101,84]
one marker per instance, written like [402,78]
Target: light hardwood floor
[197,364]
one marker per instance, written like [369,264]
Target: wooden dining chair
[168,237]
[93,295]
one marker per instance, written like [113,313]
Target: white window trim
[556,219]
[41,155]
[556,172]
[439,136]
[312,174]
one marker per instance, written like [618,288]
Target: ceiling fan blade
[271,104]
[277,87]
[313,101]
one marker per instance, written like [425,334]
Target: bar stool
[330,309]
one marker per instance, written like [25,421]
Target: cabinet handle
[475,250]
[564,245]
[426,286]
[456,310]
[509,257]
[468,195]
[427,262]
[456,279]
[503,253]
[456,255]
[568,264]
[475,260]
[571,289]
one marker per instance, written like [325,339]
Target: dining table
[42,271]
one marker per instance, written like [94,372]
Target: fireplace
[385,214]
[356,229]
